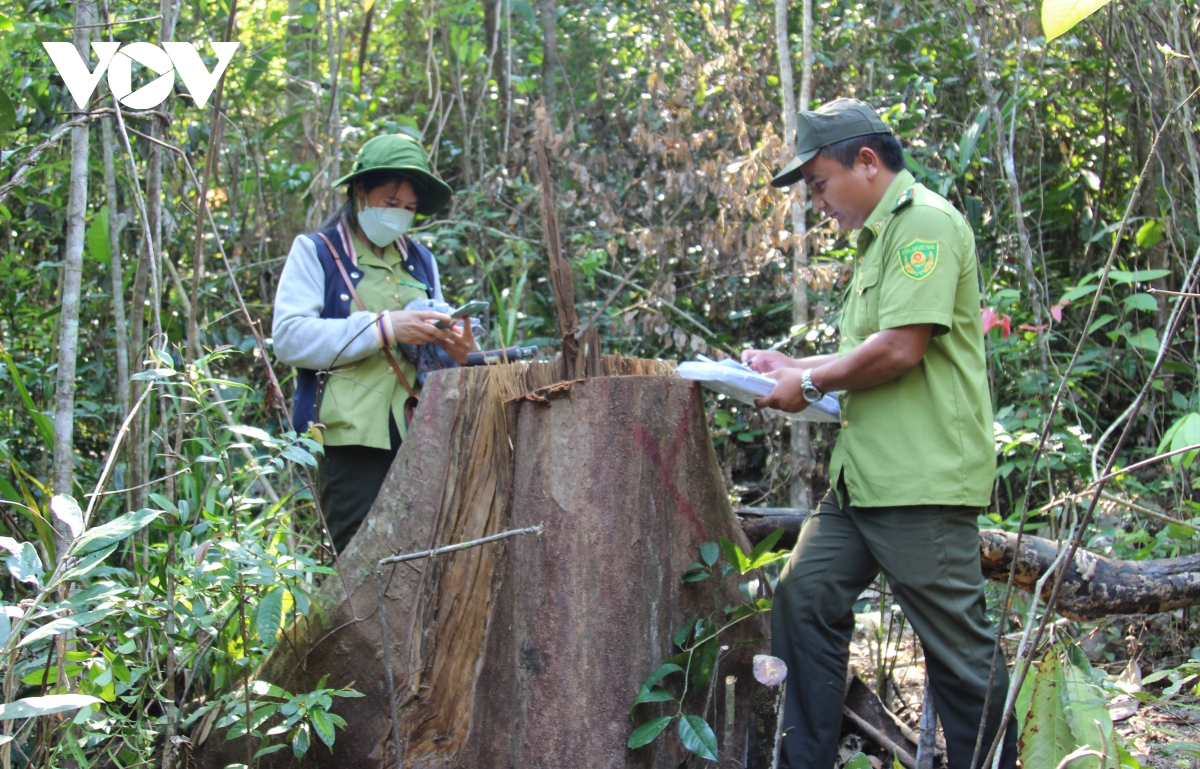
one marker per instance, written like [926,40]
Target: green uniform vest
[358,396]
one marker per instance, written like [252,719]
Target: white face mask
[383,225]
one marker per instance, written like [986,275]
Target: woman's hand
[416,326]
[459,342]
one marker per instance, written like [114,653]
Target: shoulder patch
[905,198]
[919,259]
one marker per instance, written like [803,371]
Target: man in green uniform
[915,457]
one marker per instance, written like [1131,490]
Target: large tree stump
[529,652]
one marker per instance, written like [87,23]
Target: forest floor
[1160,735]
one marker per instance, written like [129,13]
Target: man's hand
[787,395]
[765,361]
[460,342]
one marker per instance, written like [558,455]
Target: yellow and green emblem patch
[919,258]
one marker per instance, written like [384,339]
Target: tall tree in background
[801,438]
[72,278]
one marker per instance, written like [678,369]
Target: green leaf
[253,433]
[704,660]
[1185,432]
[8,113]
[300,456]
[684,632]
[6,24]
[662,672]
[98,246]
[44,706]
[40,421]
[320,722]
[1058,16]
[1145,339]
[23,561]
[115,530]
[858,761]
[268,620]
[300,741]
[66,511]
[1091,724]
[63,624]
[1077,292]
[268,689]
[1150,233]
[1101,322]
[648,731]
[85,566]
[735,556]
[762,551]
[1143,302]
[1046,734]
[966,144]
[710,552]
[697,736]
[1137,276]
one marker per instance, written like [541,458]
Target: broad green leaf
[269,750]
[1150,233]
[8,113]
[115,530]
[1077,292]
[710,552]
[63,624]
[1145,339]
[1058,16]
[23,561]
[254,433]
[761,554]
[1137,276]
[684,632]
[300,741]
[6,24]
[66,511]
[320,722]
[735,556]
[662,672]
[1143,302]
[653,694]
[44,706]
[268,618]
[970,137]
[1091,724]
[858,761]
[266,689]
[1046,734]
[697,736]
[99,247]
[1185,432]
[300,456]
[704,660]
[648,731]
[85,565]
[1101,322]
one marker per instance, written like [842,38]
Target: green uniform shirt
[357,396]
[925,438]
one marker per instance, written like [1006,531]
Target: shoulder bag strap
[350,285]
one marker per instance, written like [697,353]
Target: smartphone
[463,312]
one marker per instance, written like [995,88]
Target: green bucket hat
[830,123]
[405,156]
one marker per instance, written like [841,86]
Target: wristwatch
[808,389]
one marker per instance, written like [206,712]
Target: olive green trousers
[930,557]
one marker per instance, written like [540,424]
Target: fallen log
[1094,587]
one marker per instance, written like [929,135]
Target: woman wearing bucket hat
[340,319]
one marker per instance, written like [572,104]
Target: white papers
[738,381]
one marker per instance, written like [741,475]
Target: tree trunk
[121,327]
[1094,587]
[527,652]
[72,279]
[548,11]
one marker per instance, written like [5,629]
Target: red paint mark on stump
[666,468]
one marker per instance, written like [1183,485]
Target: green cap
[404,155]
[830,123]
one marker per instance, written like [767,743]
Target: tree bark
[121,329]
[72,279]
[1094,587]
[527,652]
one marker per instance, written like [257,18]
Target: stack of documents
[738,381]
